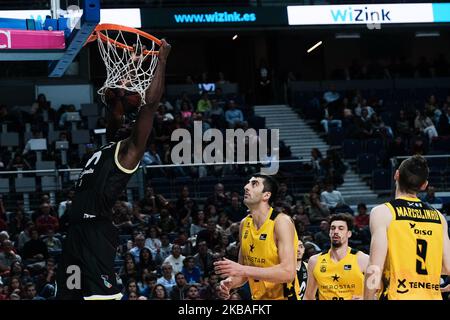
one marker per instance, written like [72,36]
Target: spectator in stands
[396,148]
[29,292]
[186,113]
[15,285]
[432,109]
[204,103]
[145,260]
[209,291]
[364,124]
[149,282]
[193,293]
[191,272]
[330,117]
[70,194]
[380,129]
[333,199]
[316,162]
[403,126]
[128,270]
[264,85]
[431,198]
[25,235]
[139,244]
[166,222]
[322,238]
[204,258]
[8,256]
[42,111]
[362,219]
[233,115]
[160,292]
[418,145]
[444,121]
[211,235]
[179,290]
[18,163]
[167,279]
[35,250]
[198,223]
[284,195]
[423,123]
[219,199]
[164,251]
[175,259]
[221,78]
[235,211]
[130,288]
[151,157]
[318,210]
[184,99]
[220,98]
[53,243]
[153,241]
[45,221]
[300,214]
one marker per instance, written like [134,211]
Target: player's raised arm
[380,218]
[132,149]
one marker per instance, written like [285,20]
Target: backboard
[53,35]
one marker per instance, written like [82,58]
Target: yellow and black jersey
[99,185]
[258,249]
[414,260]
[339,280]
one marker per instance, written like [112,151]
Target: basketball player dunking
[338,274]
[86,270]
[267,256]
[410,247]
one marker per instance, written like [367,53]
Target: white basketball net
[127,69]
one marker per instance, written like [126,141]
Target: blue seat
[382,179]
[366,163]
[374,146]
[335,136]
[351,148]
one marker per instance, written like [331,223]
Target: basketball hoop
[129,67]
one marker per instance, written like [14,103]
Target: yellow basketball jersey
[341,280]
[258,249]
[414,260]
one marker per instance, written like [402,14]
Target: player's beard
[336,243]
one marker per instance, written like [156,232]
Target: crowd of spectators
[167,247]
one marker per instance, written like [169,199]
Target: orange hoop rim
[117,27]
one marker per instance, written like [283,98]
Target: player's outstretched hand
[164,50]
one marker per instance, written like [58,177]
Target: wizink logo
[232,149]
[216,17]
[360,14]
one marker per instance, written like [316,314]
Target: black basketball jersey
[100,183]
[302,277]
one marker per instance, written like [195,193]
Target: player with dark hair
[267,256]
[410,247]
[86,269]
[338,273]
